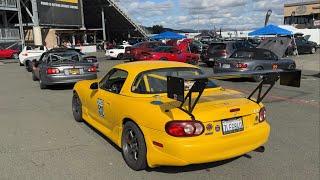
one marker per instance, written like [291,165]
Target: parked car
[222,50]
[118,52]
[303,47]
[62,66]
[170,53]
[9,53]
[134,52]
[256,59]
[30,53]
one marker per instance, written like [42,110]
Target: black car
[303,47]
[223,49]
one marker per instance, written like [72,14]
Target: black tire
[292,67]
[29,66]
[134,150]
[120,56]
[42,85]
[34,78]
[163,59]
[257,78]
[77,108]
[313,50]
[15,56]
[21,64]
[209,64]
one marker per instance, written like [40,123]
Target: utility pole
[37,36]
[82,15]
[103,24]
[20,23]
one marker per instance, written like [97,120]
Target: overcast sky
[204,14]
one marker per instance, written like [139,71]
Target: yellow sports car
[143,109]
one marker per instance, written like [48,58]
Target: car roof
[141,66]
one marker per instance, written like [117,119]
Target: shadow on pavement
[61,87]
[195,167]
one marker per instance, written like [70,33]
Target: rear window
[68,56]
[216,47]
[243,55]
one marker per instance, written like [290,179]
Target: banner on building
[59,12]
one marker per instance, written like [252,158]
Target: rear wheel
[76,108]
[163,59]
[313,50]
[29,66]
[292,66]
[120,56]
[134,149]
[258,78]
[21,64]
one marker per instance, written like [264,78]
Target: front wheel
[76,108]
[120,56]
[134,149]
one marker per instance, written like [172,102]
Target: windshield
[155,81]
[58,57]
[243,55]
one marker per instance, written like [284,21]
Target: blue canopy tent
[168,35]
[270,30]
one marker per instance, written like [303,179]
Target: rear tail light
[184,128]
[53,71]
[242,65]
[92,69]
[262,114]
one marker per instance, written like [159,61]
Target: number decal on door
[100,104]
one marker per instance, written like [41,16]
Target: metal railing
[8,3]
[138,27]
[9,34]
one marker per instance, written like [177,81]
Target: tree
[156,29]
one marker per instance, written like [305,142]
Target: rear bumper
[51,80]
[223,70]
[205,149]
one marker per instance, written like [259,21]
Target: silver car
[255,59]
[62,66]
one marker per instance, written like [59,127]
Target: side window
[267,55]
[114,81]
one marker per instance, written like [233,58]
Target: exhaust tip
[260,149]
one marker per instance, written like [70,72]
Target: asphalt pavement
[39,138]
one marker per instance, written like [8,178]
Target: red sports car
[134,52]
[170,53]
[9,53]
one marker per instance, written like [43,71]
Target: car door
[106,100]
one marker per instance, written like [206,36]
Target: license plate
[74,71]
[225,65]
[232,126]
[211,59]
[128,52]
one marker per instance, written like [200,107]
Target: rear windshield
[68,56]
[155,81]
[243,55]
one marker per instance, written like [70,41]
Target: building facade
[303,14]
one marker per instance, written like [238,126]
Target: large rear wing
[177,86]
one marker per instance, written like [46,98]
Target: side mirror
[94,86]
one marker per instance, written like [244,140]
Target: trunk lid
[278,45]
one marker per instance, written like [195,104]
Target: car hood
[277,45]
